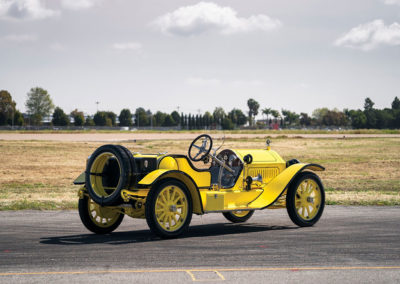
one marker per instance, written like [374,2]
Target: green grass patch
[26,204]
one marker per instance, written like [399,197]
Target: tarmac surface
[348,245]
[133,136]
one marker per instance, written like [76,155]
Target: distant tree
[89,121]
[175,116]
[275,114]
[38,104]
[305,120]
[290,117]
[267,112]
[7,107]
[78,116]
[218,115]
[207,119]
[18,118]
[182,123]
[125,117]
[186,121]
[357,118]
[141,118]
[237,117]
[334,118]
[396,103]
[100,118]
[384,118]
[318,114]
[112,117]
[227,124]
[396,119]
[253,110]
[368,104]
[159,118]
[59,117]
[150,117]
[168,121]
[190,121]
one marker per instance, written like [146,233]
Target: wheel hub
[172,208]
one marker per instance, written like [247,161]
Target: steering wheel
[203,144]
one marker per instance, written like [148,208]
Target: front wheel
[98,219]
[305,200]
[169,209]
[238,216]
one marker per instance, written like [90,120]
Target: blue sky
[297,55]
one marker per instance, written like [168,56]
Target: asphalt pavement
[349,244]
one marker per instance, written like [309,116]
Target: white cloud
[25,10]
[78,4]
[127,46]
[392,2]
[20,38]
[208,16]
[371,35]
[198,81]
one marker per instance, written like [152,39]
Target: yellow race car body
[238,180]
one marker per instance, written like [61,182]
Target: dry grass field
[363,171]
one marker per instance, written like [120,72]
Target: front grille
[267,173]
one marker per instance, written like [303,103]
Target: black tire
[109,174]
[90,224]
[230,216]
[132,162]
[150,211]
[294,214]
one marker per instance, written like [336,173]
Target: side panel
[273,190]
[202,178]
[159,175]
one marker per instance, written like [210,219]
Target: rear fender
[157,176]
[274,189]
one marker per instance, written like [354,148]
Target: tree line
[39,105]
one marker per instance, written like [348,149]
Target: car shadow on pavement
[142,236]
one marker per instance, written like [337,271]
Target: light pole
[97,106]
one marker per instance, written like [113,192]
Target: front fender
[274,189]
[158,175]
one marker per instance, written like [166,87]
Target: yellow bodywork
[269,192]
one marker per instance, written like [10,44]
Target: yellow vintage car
[167,189]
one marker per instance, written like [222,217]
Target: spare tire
[133,173]
[108,171]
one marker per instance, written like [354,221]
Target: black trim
[287,185]
[179,172]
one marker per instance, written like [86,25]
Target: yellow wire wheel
[305,200]
[238,216]
[98,219]
[169,209]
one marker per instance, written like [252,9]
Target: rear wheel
[238,216]
[169,209]
[305,200]
[98,219]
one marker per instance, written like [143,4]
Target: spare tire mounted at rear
[109,170]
